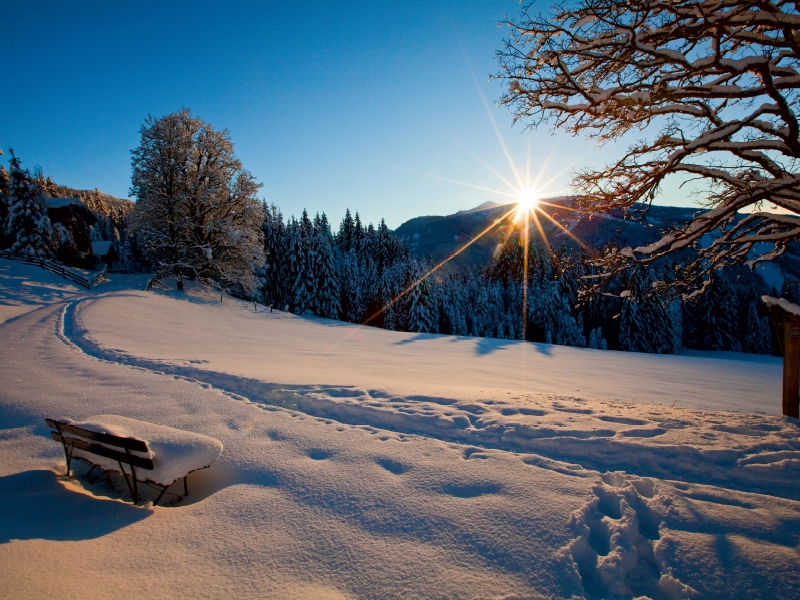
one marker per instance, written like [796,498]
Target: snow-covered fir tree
[344,239]
[791,289]
[596,340]
[5,238]
[27,223]
[325,280]
[351,289]
[417,306]
[297,262]
[716,317]
[758,334]
[648,322]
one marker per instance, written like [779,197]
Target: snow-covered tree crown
[197,212]
[718,79]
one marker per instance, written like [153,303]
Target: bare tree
[196,212]
[713,84]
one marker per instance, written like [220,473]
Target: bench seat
[163,454]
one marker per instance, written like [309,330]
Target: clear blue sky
[330,104]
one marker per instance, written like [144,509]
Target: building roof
[101,248]
[59,202]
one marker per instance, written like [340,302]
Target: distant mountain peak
[484,206]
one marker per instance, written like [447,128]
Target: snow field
[366,463]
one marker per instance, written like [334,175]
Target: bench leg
[68,454]
[164,491]
[135,488]
[161,494]
[131,487]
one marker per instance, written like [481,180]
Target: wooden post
[785,317]
[791,369]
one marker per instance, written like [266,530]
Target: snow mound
[175,452]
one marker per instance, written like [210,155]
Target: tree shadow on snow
[485,346]
[420,337]
[35,505]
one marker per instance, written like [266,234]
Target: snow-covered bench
[108,442]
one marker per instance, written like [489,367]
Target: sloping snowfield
[364,463]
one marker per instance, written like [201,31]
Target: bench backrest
[64,431]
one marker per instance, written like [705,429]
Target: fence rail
[56,268]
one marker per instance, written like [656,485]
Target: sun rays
[525,200]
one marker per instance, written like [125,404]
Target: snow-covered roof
[59,202]
[783,303]
[101,248]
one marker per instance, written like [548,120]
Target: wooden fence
[56,268]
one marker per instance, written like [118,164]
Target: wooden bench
[94,443]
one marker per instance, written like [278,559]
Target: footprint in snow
[581,411]
[622,420]
[319,454]
[475,453]
[643,433]
[471,490]
[392,466]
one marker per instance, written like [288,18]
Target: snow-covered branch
[714,86]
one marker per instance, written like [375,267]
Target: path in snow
[746,452]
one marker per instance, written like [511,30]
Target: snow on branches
[196,213]
[717,79]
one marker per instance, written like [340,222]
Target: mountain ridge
[440,237]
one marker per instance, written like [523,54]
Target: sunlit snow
[360,462]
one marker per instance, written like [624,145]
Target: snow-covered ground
[359,462]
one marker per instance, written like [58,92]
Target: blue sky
[330,104]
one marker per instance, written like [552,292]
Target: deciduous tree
[713,84]
[196,211]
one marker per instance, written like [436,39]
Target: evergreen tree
[596,340]
[758,336]
[387,249]
[351,289]
[452,304]
[418,303]
[648,323]
[345,238]
[358,237]
[325,299]
[325,226]
[274,271]
[28,223]
[385,294]
[5,238]
[716,317]
[791,290]
[508,264]
[297,301]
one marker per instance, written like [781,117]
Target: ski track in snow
[567,435]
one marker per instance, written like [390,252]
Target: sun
[527,201]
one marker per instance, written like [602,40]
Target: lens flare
[527,202]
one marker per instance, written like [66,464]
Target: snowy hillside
[365,463]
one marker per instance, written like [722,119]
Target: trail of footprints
[615,551]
